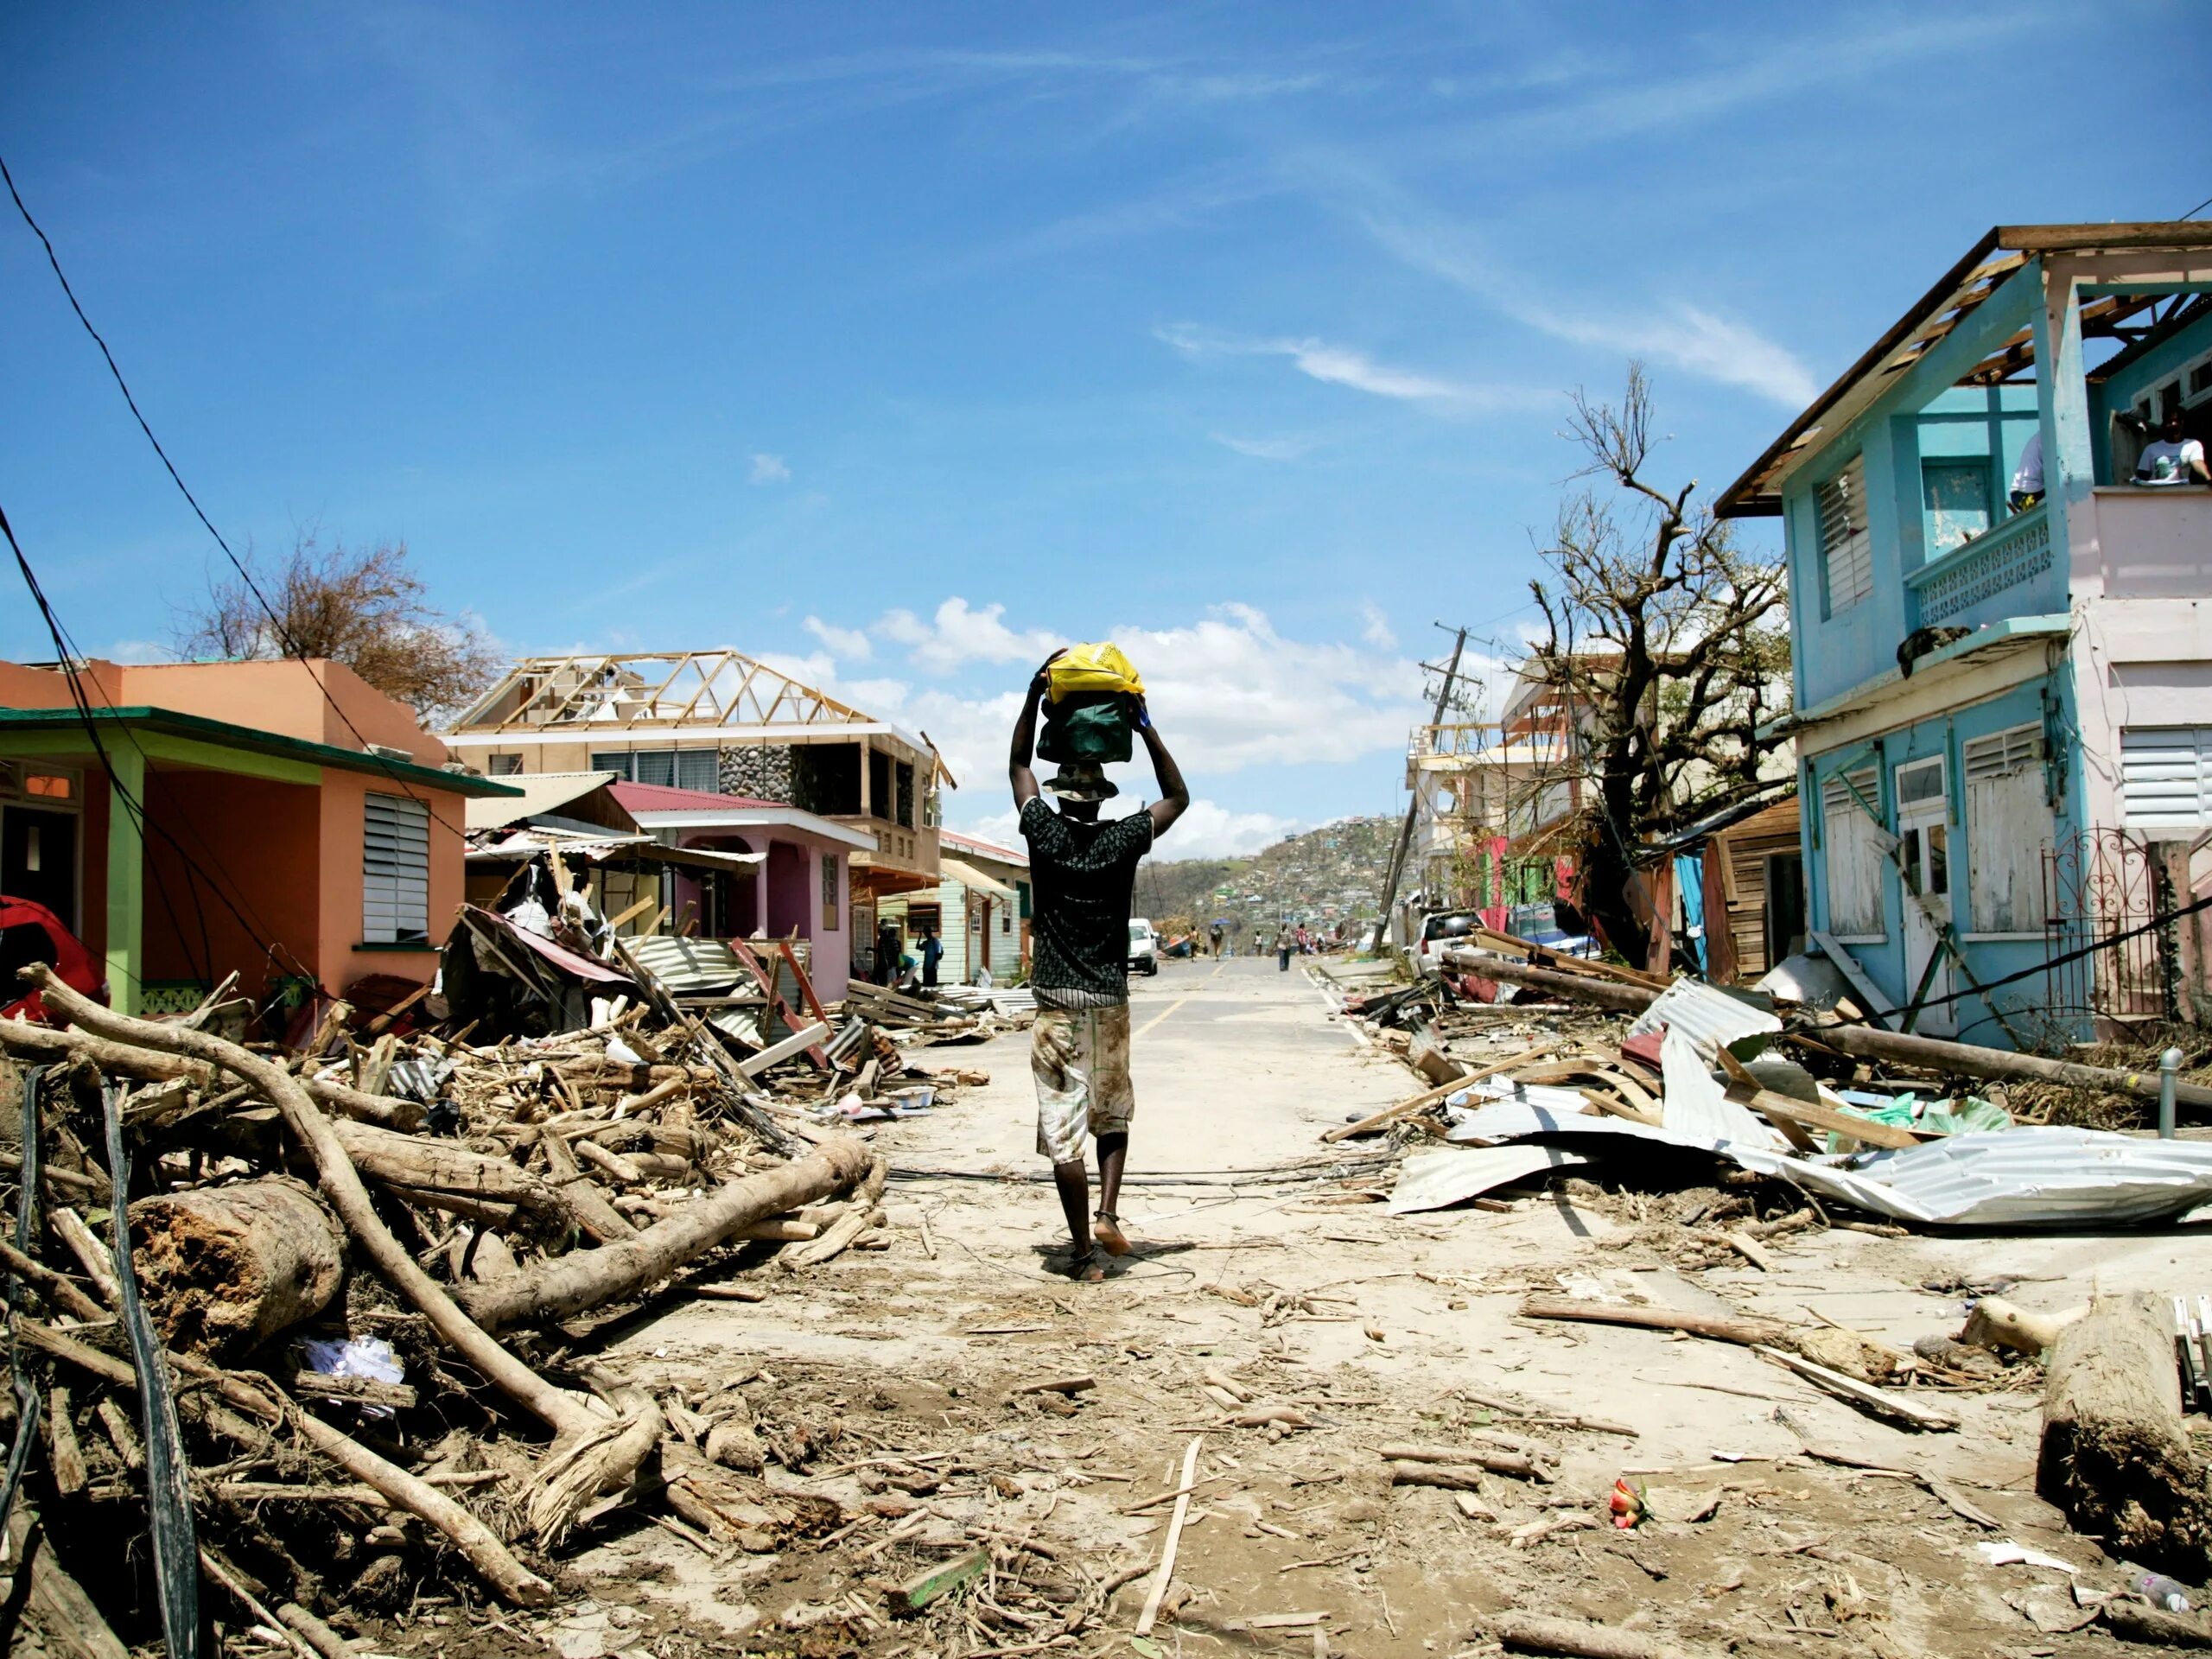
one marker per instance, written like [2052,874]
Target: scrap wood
[261,1400]
[1465,1476]
[1997,1322]
[1908,1412]
[54,1603]
[1744,1090]
[1059,1385]
[1391,1115]
[1181,1513]
[1531,1633]
[47,1043]
[1545,1415]
[1749,1331]
[341,1185]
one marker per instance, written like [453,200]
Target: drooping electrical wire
[291,646]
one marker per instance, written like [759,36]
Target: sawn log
[226,1267]
[2114,1455]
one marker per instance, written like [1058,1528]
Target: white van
[1144,947]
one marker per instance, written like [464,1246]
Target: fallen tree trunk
[1752,1332]
[585,1278]
[124,1059]
[2114,1455]
[1999,1064]
[226,1267]
[1627,999]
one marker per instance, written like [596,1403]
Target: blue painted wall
[2047,701]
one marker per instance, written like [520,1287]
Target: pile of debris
[341,1351]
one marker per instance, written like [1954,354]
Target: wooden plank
[1880,1400]
[767,976]
[1430,1096]
[797,1043]
[1878,1006]
[925,1587]
[1744,1091]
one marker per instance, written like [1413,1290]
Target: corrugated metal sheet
[2029,1176]
[691,967]
[1710,1019]
[1436,1180]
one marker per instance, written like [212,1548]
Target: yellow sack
[1093,668]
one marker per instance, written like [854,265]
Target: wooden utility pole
[1413,806]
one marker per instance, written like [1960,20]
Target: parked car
[1439,931]
[30,932]
[1144,947]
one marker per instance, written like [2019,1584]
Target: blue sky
[899,344]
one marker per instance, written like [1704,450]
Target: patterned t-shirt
[1079,931]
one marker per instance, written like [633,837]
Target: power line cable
[291,646]
[133,807]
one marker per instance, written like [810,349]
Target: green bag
[1094,727]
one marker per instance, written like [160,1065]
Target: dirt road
[1366,1330]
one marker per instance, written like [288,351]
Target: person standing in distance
[1083,873]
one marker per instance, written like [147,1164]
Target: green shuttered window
[395,871]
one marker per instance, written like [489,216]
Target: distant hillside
[1330,874]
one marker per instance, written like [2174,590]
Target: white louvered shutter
[1846,545]
[1852,843]
[2008,828]
[2165,777]
[395,871]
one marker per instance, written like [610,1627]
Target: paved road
[1237,1067]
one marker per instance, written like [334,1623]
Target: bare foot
[1086,1268]
[1107,1229]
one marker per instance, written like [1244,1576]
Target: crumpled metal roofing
[1436,1180]
[1709,1019]
[2034,1176]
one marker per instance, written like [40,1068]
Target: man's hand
[1041,680]
[1140,711]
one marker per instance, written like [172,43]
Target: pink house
[801,886]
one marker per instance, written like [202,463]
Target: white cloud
[1228,692]
[1291,448]
[849,644]
[769,470]
[955,636]
[1718,348]
[1340,365]
[1377,631]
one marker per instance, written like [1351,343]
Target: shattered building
[2003,667]
[845,806]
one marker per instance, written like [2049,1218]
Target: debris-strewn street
[1392,1455]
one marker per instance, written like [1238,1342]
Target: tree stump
[2114,1455]
[226,1267]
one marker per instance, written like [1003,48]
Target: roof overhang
[756,818]
[1892,699]
[969,876]
[1956,295]
[220,734]
[534,793]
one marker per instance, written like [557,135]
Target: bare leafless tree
[1667,647]
[364,606]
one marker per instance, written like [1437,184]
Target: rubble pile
[347,1358]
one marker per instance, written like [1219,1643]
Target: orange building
[276,820]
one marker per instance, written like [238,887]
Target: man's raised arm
[1024,739]
[1174,794]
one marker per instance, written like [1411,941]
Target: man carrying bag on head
[1082,873]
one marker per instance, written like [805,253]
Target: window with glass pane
[1955,498]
